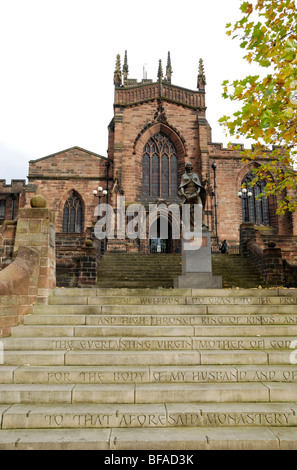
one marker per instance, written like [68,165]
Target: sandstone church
[156,128]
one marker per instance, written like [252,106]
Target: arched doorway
[160,241]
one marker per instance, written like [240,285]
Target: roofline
[67,150]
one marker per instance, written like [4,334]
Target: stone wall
[32,273]
[76,260]
[266,250]
[7,236]
[13,197]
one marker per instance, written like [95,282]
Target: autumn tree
[267,31]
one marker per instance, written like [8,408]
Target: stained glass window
[165,175]
[173,175]
[155,175]
[159,167]
[73,215]
[146,173]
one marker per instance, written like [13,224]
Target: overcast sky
[58,57]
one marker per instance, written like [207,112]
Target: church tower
[156,128]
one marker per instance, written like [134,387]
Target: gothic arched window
[254,209]
[159,167]
[73,214]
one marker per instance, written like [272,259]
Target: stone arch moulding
[165,129]
[62,202]
[245,171]
[160,212]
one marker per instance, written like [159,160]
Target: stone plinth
[36,230]
[197,266]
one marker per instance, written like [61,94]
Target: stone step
[148,374]
[126,364]
[97,331]
[85,358]
[169,439]
[158,320]
[186,357]
[152,331]
[155,309]
[122,270]
[86,416]
[137,284]
[147,393]
[149,343]
[110,292]
[170,300]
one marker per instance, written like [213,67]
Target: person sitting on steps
[223,247]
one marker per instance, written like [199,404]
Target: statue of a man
[192,192]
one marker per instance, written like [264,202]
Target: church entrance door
[158,244]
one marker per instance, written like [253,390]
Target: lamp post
[214,167]
[101,192]
[244,195]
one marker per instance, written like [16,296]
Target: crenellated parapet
[234,150]
[15,186]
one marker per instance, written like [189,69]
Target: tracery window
[255,210]
[159,167]
[73,214]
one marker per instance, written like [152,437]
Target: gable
[71,163]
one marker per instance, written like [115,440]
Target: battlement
[234,149]
[15,186]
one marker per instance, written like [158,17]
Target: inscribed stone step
[82,374]
[123,415]
[85,416]
[232,414]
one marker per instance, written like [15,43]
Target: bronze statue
[192,192]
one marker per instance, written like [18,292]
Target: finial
[117,77]
[125,69]
[160,70]
[201,82]
[168,69]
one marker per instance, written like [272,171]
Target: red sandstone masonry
[58,175]
[32,275]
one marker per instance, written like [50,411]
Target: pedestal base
[197,267]
[198,281]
